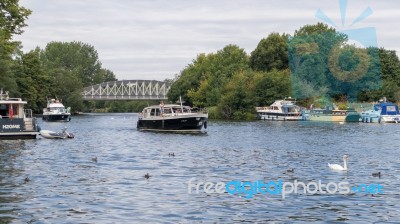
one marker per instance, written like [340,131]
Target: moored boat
[382,112]
[172,118]
[55,111]
[15,121]
[329,114]
[280,110]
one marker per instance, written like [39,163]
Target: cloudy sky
[156,39]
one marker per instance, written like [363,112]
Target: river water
[60,181]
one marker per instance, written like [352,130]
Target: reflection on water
[66,184]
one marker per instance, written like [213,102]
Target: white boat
[280,110]
[55,111]
[15,121]
[382,112]
[172,118]
[56,135]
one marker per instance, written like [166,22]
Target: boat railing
[28,113]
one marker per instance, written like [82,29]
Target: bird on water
[339,167]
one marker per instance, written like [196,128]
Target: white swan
[339,167]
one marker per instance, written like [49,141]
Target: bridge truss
[127,90]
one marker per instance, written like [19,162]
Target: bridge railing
[127,90]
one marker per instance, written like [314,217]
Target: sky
[156,39]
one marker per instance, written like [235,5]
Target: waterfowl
[339,167]
[147,176]
[378,174]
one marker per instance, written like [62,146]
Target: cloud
[156,39]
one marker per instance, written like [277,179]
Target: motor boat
[382,112]
[281,110]
[172,118]
[16,122]
[56,135]
[55,111]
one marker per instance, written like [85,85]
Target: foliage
[12,20]
[271,53]
[201,82]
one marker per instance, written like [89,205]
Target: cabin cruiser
[15,121]
[382,112]
[55,111]
[172,118]
[280,110]
[331,114]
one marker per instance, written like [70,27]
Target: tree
[216,72]
[309,52]
[12,20]
[33,81]
[271,53]
[76,57]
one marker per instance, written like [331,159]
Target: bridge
[127,90]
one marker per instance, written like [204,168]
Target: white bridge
[127,90]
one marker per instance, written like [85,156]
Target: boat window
[390,108]
[167,110]
[3,110]
[155,112]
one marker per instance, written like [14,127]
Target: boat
[281,110]
[331,114]
[382,112]
[16,122]
[55,111]
[172,118]
[56,135]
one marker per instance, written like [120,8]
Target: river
[98,177]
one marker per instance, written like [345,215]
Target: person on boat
[162,107]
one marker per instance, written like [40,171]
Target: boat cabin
[165,111]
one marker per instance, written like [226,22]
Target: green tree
[223,65]
[271,53]
[76,57]
[12,20]
[33,81]
[309,51]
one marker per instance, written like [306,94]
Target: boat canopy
[387,108]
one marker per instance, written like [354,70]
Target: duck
[339,167]
[290,170]
[378,174]
[26,180]
[171,154]
[94,159]
[147,176]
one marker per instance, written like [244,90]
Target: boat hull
[19,135]
[280,117]
[174,124]
[16,129]
[57,117]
